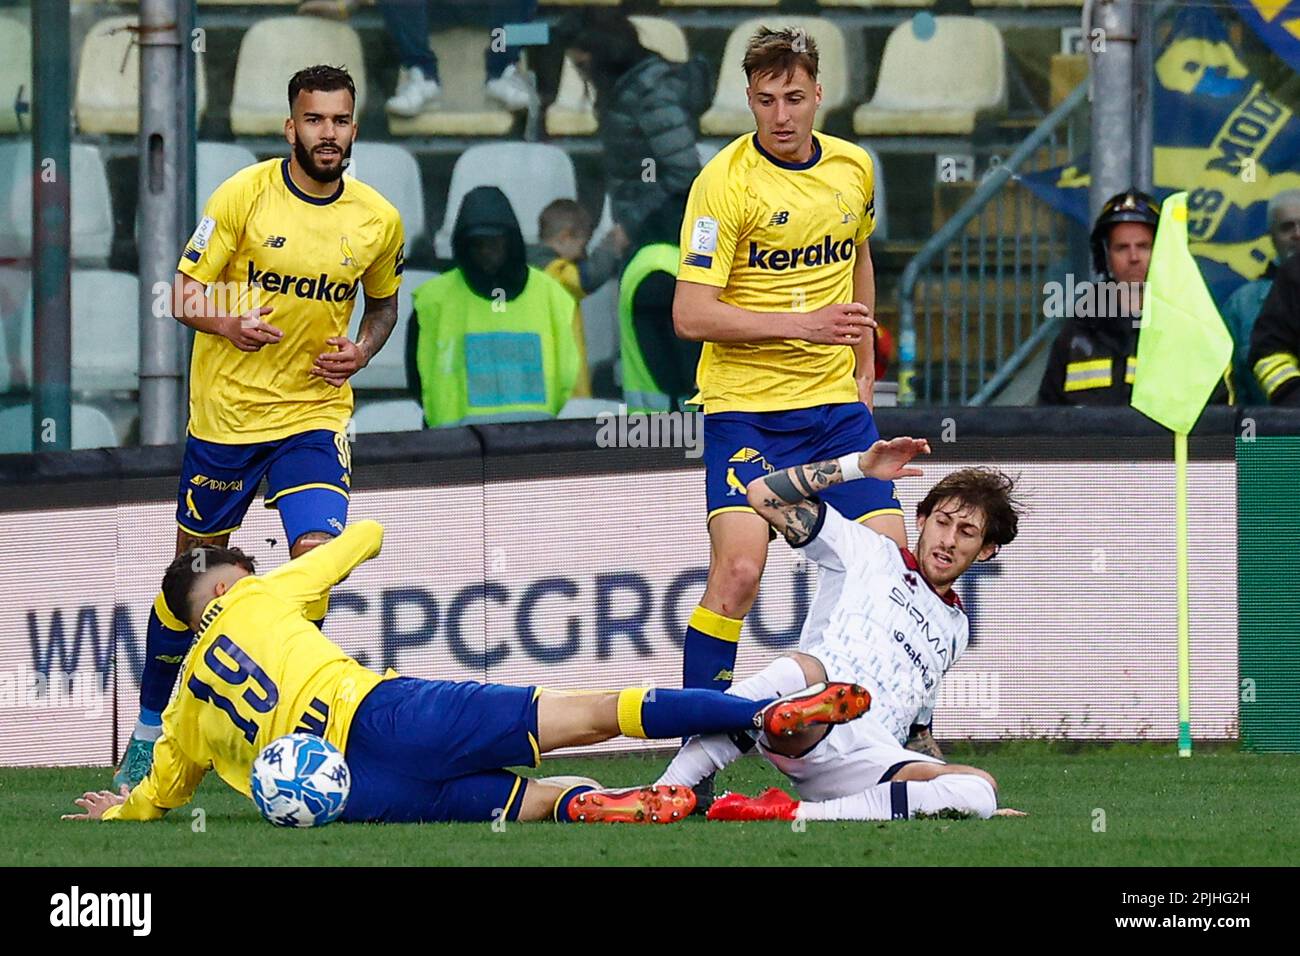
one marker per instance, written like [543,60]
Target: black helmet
[1129,206]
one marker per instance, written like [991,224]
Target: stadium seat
[393,171]
[1027,3]
[397,415]
[572,114]
[15,74]
[216,162]
[730,116]
[91,428]
[105,331]
[464,109]
[273,50]
[530,174]
[92,207]
[108,79]
[388,369]
[964,62]
[719,3]
[878,4]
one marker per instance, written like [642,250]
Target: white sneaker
[511,89]
[414,93]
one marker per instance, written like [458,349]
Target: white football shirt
[877,622]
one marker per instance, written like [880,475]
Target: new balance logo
[274,242]
[779,218]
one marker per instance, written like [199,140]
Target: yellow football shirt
[778,237]
[259,670]
[262,241]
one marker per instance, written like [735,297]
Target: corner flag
[1184,347]
[1183,350]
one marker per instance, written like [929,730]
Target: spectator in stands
[1094,357]
[14,283]
[1243,306]
[648,114]
[1275,340]
[564,231]
[408,22]
[493,339]
[658,367]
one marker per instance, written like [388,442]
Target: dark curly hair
[321,79]
[178,581]
[987,489]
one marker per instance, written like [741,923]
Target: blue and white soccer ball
[300,780]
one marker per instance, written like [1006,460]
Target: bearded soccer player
[269,280]
[884,617]
[776,279]
[417,750]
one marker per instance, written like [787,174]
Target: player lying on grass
[883,618]
[418,750]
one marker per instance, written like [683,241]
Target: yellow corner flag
[1184,347]
[1183,350]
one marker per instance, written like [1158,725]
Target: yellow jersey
[259,670]
[778,237]
[263,241]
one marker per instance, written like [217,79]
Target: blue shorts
[422,750]
[308,478]
[742,446]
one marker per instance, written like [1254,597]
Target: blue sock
[562,804]
[165,649]
[654,712]
[709,654]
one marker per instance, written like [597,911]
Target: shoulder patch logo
[203,233]
[704,235]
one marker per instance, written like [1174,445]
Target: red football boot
[834,703]
[659,804]
[771,804]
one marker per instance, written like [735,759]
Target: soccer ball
[300,780]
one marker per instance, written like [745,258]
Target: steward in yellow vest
[658,368]
[494,339]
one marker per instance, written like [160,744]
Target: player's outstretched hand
[248,332]
[887,460]
[96,802]
[337,366]
[837,324]
[1008,812]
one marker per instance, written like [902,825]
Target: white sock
[701,756]
[146,731]
[782,676]
[964,792]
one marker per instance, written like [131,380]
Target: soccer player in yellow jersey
[417,750]
[776,280]
[269,281]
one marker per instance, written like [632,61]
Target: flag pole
[1184,641]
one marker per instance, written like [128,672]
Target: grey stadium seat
[388,369]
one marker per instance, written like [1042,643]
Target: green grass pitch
[1125,805]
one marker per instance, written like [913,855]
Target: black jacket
[652,113]
[1091,363]
[1275,340]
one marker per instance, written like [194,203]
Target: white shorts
[852,758]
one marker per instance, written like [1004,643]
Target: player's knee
[813,671]
[736,578]
[305,542]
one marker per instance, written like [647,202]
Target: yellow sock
[629,711]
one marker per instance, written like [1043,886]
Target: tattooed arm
[351,357]
[783,498]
